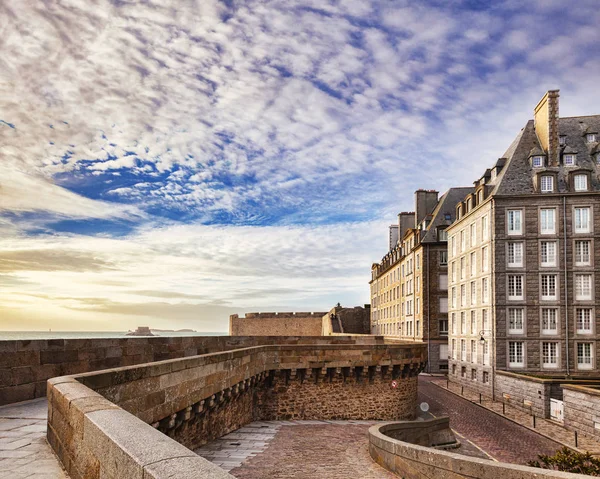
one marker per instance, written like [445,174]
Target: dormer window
[580,182]
[538,161]
[547,184]
[591,137]
[569,160]
[562,140]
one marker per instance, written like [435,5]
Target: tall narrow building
[409,287]
[524,257]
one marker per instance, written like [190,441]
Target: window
[463,350]
[484,258]
[590,137]
[515,320]
[538,161]
[444,352]
[486,353]
[515,354]
[453,317]
[473,234]
[474,374]
[443,257]
[444,329]
[584,320]
[473,323]
[546,184]
[473,264]
[580,182]
[582,253]
[515,254]
[548,253]
[515,287]
[514,222]
[463,295]
[453,298]
[584,356]
[549,321]
[463,372]
[462,268]
[454,349]
[484,228]
[442,234]
[473,293]
[463,241]
[484,319]
[569,160]
[548,221]
[484,291]
[583,286]
[549,355]
[473,351]
[453,267]
[463,323]
[549,287]
[453,246]
[444,282]
[582,219]
[486,377]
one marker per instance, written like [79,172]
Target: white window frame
[463,322]
[443,257]
[486,352]
[550,355]
[518,280]
[580,182]
[485,290]
[570,159]
[473,351]
[549,287]
[584,320]
[546,183]
[473,238]
[484,225]
[548,221]
[463,349]
[537,161]
[516,354]
[583,252]
[590,137]
[473,261]
[473,293]
[579,225]
[514,222]
[584,286]
[516,320]
[585,355]
[514,254]
[548,253]
[549,318]
[484,259]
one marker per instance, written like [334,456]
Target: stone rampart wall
[277,324]
[96,419]
[411,461]
[582,409]
[26,365]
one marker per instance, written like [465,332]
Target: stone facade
[95,419]
[540,312]
[340,320]
[582,409]
[277,324]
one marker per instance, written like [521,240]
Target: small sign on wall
[506,396]
[527,402]
[394,384]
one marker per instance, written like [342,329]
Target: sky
[170,163]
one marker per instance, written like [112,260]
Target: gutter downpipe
[428,318]
[566,284]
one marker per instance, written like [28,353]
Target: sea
[7,335]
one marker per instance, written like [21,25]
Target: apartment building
[524,257]
[409,287]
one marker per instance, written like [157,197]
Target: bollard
[479,398]
[447,384]
[462,390]
[504,408]
[576,441]
[533,421]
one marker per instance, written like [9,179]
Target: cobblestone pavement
[546,427]
[301,450]
[24,452]
[500,438]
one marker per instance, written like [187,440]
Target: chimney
[406,220]
[545,120]
[425,202]
[393,236]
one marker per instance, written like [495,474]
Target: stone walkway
[543,426]
[298,450]
[501,439]
[24,452]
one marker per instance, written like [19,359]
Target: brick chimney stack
[545,118]
[406,220]
[425,202]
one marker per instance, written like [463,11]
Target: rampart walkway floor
[24,452]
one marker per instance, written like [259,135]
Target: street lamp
[482,334]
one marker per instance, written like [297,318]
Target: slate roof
[516,178]
[446,206]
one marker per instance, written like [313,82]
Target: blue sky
[168,164]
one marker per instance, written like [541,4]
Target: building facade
[409,287]
[524,257]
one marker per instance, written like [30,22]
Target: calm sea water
[92,334]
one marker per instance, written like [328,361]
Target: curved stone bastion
[413,450]
[141,422]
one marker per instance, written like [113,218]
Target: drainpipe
[428,318]
[566,284]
